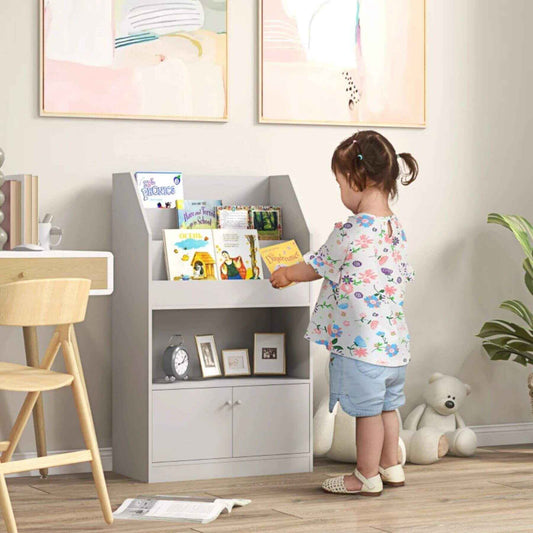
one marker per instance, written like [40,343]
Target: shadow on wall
[94,208]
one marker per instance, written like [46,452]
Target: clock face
[180,362]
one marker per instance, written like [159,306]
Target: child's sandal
[393,476]
[371,487]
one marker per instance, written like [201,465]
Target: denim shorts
[364,389]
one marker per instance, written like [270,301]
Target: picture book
[163,190]
[198,214]
[237,254]
[283,254]
[190,254]
[233,217]
[267,222]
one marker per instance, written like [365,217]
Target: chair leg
[5,506]
[87,428]
[32,358]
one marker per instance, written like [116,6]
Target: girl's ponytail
[410,162]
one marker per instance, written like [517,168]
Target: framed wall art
[346,62]
[143,59]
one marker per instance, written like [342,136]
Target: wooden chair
[48,302]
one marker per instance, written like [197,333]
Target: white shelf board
[249,381]
[225,294]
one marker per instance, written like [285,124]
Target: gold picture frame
[208,356]
[265,120]
[178,118]
[227,363]
[269,354]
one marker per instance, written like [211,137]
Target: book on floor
[176,508]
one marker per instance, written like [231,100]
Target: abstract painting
[153,59]
[352,62]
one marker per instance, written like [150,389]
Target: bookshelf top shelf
[225,295]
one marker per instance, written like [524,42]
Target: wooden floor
[490,492]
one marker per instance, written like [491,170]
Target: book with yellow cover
[283,254]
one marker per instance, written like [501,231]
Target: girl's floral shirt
[359,312]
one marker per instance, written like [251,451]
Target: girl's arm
[284,276]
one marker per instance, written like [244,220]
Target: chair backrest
[44,302]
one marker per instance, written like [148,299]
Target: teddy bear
[334,433]
[435,428]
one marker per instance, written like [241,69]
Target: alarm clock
[176,360]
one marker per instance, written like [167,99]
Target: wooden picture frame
[208,356]
[80,114]
[263,119]
[230,358]
[269,354]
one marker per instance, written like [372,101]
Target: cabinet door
[191,424]
[270,420]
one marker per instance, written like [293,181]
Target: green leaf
[493,328]
[521,360]
[334,341]
[518,308]
[519,331]
[521,228]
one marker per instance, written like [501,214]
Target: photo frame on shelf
[236,362]
[208,355]
[269,354]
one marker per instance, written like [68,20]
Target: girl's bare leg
[369,434]
[391,425]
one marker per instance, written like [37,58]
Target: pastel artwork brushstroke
[343,61]
[135,58]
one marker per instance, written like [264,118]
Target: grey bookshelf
[220,427]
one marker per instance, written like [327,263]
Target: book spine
[35,209]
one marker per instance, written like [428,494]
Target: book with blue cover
[198,214]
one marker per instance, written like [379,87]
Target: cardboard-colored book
[35,209]
[283,254]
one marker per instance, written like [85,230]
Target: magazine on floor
[176,508]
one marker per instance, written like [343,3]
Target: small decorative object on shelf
[236,362]
[3,234]
[269,353]
[176,360]
[208,355]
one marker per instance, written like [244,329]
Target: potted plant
[504,339]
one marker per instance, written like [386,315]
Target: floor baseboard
[491,435]
[504,434]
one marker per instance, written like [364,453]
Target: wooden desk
[17,266]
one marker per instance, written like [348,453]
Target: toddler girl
[359,313]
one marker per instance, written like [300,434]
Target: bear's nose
[449,404]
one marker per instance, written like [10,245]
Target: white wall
[474,158]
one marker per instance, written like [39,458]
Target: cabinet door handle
[238,402]
[228,404]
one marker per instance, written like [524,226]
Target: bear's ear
[468,389]
[435,376]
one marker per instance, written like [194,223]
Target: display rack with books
[206,428]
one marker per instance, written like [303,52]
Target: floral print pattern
[359,312]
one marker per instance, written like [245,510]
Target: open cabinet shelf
[214,427]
